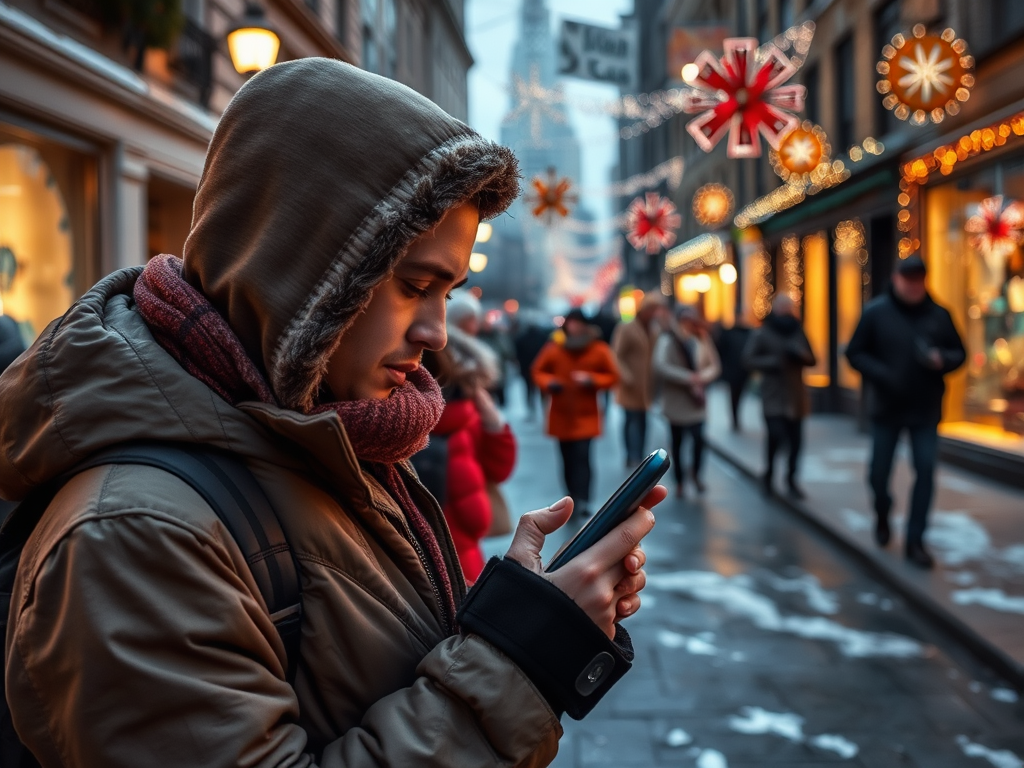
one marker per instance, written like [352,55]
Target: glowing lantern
[252,43]
[712,205]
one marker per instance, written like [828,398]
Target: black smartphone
[621,505]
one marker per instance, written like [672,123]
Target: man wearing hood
[573,367]
[336,211]
[904,346]
[780,351]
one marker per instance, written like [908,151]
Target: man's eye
[448,296]
[415,290]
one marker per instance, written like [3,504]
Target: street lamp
[477,262]
[252,42]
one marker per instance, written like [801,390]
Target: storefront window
[982,284]
[851,261]
[816,310]
[47,227]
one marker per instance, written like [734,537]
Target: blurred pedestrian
[495,334]
[685,362]
[336,211]
[573,367]
[529,341]
[904,345]
[731,342]
[477,444]
[633,344]
[11,342]
[779,349]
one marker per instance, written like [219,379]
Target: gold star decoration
[925,76]
[551,196]
[800,152]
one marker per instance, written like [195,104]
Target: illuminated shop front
[48,227]
[962,211]
[831,254]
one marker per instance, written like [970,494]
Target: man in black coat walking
[904,345]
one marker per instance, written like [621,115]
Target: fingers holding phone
[600,581]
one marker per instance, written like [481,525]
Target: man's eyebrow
[436,270]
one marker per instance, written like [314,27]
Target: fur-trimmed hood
[318,177]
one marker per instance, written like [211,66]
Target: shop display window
[981,282]
[47,228]
[849,243]
[816,305]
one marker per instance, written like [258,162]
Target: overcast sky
[492,27]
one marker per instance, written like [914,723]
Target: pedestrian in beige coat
[337,210]
[633,344]
[685,361]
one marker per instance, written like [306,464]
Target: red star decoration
[651,222]
[551,196]
[996,230]
[742,94]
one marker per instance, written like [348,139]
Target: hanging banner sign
[598,53]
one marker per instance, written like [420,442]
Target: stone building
[104,123]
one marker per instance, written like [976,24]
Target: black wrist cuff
[547,635]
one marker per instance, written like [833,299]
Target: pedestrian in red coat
[480,445]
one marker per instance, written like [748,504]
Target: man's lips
[397,372]
[403,367]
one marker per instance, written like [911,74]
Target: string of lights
[705,250]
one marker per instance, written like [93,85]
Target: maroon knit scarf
[381,431]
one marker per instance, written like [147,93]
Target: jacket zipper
[410,535]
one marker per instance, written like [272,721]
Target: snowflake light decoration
[743,95]
[651,222]
[537,102]
[712,205]
[801,151]
[925,76]
[996,230]
[551,196]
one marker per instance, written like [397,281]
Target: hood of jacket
[318,177]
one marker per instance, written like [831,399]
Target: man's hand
[605,580]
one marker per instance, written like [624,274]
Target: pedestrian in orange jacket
[572,368]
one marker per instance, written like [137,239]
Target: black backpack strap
[227,485]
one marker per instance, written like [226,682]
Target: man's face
[406,312]
[909,286]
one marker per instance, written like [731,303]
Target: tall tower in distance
[542,137]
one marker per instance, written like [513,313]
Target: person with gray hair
[779,349]
[465,312]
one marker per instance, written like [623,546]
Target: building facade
[104,122]
[898,189]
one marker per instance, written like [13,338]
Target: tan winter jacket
[678,382]
[633,346]
[138,637]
